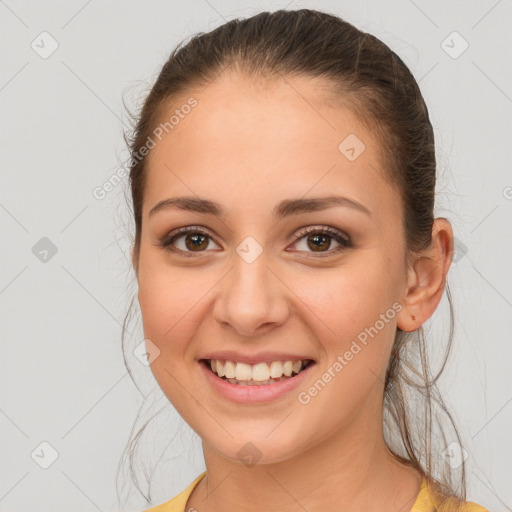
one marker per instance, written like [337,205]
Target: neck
[350,471]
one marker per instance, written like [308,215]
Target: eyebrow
[283,209]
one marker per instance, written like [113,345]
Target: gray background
[62,374]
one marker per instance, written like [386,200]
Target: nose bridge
[250,296]
[251,268]
[250,282]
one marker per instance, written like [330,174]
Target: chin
[256,448]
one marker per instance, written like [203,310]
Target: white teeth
[220,369]
[230,370]
[276,370]
[260,372]
[242,371]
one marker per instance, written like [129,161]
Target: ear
[426,278]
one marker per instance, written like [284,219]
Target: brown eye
[318,240]
[195,240]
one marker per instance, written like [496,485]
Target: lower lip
[253,394]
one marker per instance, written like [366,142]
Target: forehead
[249,144]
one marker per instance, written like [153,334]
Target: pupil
[196,243]
[316,239]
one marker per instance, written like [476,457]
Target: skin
[248,146]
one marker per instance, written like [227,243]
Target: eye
[195,240]
[316,238]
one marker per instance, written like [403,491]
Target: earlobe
[426,278]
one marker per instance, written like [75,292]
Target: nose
[252,299]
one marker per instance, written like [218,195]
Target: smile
[243,390]
[259,374]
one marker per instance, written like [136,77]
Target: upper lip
[262,357]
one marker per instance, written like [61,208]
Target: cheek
[167,308]
[351,296]
[354,321]
[354,311]
[163,296]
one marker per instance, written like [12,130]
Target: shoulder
[452,505]
[177,504]
[430,500]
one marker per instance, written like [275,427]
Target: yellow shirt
[424,501]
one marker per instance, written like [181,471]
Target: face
[253,282]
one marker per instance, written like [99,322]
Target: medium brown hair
[366,76]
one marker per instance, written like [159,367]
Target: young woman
[287,255]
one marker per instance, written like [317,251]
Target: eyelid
[171,237]
[336,234]
[323,229]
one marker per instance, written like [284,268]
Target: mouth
[261,374]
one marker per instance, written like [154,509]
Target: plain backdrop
[67,401]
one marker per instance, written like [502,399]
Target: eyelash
[342,239]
